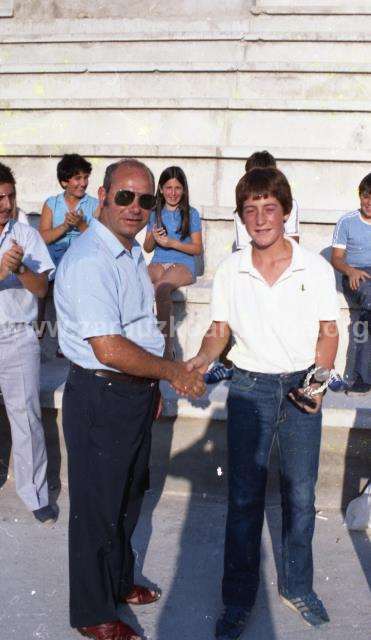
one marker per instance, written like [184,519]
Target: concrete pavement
[179,545]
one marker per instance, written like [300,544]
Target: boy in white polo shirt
[279,303]
[351,255]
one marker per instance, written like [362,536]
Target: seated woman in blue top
[65,216]
[174,233]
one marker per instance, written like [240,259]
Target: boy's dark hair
[6,175]
[260,159]
[70,165]
[267,182]
[365,185]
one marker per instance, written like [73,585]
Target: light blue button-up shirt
[101,289]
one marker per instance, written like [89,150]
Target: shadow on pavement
[194,599]
[356,478]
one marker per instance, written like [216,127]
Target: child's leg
[41,311]
[175,276]
[156,272]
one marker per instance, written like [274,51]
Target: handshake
[187,378]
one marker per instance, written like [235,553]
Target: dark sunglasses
[124,197]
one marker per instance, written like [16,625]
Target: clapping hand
[73,219]
[11,260]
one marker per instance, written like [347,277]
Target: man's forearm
[124,355]
[36,283]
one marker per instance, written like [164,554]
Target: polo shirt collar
[112,243]
[297,260]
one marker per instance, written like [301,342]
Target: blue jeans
[259,411]
[362,297]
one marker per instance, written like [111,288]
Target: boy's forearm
[215,341]
[340,265]
[327,345]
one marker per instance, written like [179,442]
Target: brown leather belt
[118,376]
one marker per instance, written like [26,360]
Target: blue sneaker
[309,607]
[337,383]
[218,373]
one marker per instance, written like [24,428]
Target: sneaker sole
[46,523]
[291,606]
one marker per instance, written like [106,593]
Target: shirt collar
[112,243]
[297,260]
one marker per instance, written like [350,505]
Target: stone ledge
[184,151]
[188,67]
[314,9]
[339,410]
[184,103]
[135,29]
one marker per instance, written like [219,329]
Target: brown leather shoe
[110,631]
[142,595]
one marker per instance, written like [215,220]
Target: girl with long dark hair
[174,234]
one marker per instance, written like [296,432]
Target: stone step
[261,55]
[219,133]
[312,88]
[339,410]
[183,103]
[276,66]
[310,7]
[324,190]
[300,26]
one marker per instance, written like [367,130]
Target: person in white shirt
[260,159]
[263,159]
[279,303]
[24,267]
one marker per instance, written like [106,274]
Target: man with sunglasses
[104,301]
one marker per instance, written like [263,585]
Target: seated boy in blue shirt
[351,255]
[65,216]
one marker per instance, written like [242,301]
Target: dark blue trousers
[362,297]
[107,428]
[259,411]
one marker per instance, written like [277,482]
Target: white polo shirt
[275,328]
